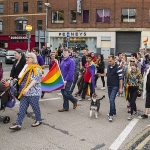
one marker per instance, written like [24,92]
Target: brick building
[105,26]
[14,16]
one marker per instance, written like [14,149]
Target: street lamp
[28,35]
[47,7]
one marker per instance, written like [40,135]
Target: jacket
[67,68]
[16,68]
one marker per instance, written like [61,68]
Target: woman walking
[134,81]
[30,91]
[18,64]
[100,69]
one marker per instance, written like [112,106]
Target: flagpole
[60,70]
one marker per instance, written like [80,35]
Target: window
[103,15]
[128,15]
[58,17]
[1,26]
[1,8]
[39,24]
[25,6]
[39,6]
[20,25]
[85,16]
[73,16]
[16,9]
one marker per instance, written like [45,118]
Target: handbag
[139,93]
[12,102]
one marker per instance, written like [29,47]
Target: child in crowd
[1,71]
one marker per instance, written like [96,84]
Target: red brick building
[105,26]
[14,16]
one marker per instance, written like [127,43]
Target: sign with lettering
[18,37]
[79,6]
[72,34]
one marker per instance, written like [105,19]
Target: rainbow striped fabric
[145,42]
[53,80]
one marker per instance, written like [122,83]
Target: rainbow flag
[53,80]
[145,42]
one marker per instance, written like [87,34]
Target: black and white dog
[95,105]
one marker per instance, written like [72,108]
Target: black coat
[16,69]
[100,67]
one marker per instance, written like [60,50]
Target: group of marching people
[134,73]
[133,76]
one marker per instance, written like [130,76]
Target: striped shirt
[114,74]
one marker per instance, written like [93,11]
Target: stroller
[7,98]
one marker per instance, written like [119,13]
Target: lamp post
[28,35]
[47,7]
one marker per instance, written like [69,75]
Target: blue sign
[68,39]
[68,34]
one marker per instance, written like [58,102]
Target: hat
[18,50]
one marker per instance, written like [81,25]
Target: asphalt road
[6,67]
[75,130]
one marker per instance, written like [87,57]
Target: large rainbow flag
[53,80]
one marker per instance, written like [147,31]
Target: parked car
[9,58]
[3,52]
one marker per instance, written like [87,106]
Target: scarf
[27,70]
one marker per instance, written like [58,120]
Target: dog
[95,105]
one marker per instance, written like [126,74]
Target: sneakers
[144,116]
[130,117]
[110,118]
[103,88]
[134,112]
[81,99]
[90,99]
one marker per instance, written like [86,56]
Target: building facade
[14,16]
[104,26]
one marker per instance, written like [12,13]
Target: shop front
[12,42]
[76,40]
[97,42]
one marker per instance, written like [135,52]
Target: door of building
[127,42]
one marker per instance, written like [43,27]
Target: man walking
[78,64]
[67,68]
[40,59]
[114,83]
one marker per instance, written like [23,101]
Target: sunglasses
[132,61]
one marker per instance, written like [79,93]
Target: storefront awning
[21,19]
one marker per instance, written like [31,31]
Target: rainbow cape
[53,80]
[91,68]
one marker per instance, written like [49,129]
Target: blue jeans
[112,91]
[66,93]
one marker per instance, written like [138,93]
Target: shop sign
[78,6]
[72,34]
[18,37]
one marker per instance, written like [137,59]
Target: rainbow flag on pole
[53,80]
[145,42]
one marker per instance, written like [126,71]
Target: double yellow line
[141,144]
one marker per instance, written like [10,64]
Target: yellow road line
[136,138]
[139,147]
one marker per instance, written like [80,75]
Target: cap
[18,50]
